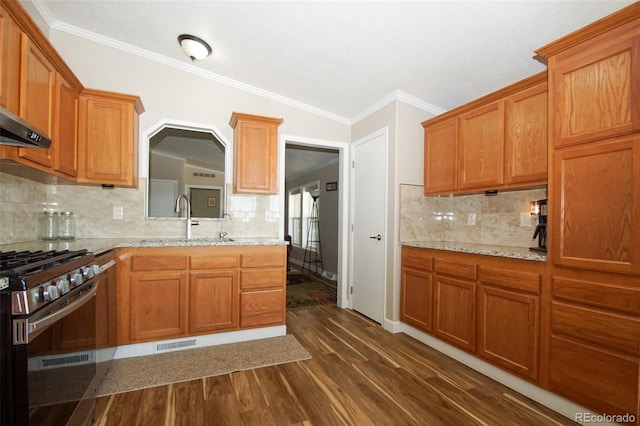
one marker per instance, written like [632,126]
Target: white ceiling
[343,57]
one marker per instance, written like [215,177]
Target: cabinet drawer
[525,281]
[251,280]
[259,308]
[456,269]
[600,294]
[158,263]
[269,258]
[213,262]
[618,332]
[597,379]
[416,258]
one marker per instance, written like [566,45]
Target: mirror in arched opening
[186,161]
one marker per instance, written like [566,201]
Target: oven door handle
[24,329]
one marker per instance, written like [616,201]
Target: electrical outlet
[525,219]
[118,213]
[471,219]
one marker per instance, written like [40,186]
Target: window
[300,204]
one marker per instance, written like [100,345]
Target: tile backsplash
[447,218]
[22,201]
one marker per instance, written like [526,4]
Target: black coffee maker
[541,229]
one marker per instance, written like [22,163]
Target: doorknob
[376,237]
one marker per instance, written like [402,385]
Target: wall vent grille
[175,345]
[207,175]
[82,358]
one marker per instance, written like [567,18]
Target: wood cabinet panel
[262,257]
[481,146]
[255,144]
[65,151]
[597,184]
[108,138]
[526,136]
[159,263]
[417,258]
[602,328]
[37,87]
[600,293]
[456,268]
[9,62]
[595,87]
[517,280]
[213,301]
[218,261]
[158,308]
[416,298]
[455,311]
[597,379]
[260,279]
[441,157]
[508,330]
[262,308]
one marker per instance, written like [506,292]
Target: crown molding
[398,96]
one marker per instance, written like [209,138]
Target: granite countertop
[100,245]
[485,249]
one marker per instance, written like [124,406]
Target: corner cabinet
[108,138]
[9,62]
[496,142]
[255,145]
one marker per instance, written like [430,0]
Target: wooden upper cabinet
[9,62]
[482,147]
[594,84]
[526,136]
[595,206]
[66,136]
[108,138]
[441,157]
[255,144]
[37,91]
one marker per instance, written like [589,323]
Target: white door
[369,191]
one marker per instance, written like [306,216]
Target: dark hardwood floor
[359,374]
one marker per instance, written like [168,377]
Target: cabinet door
[595,206]
[213,301]
[508,324]
[415,304]
[526,136]
[108,139]
[262,308]
[37,81]
[256,153]
[441,157]
[158,305]
[66,118]
[455,311]
[594,87]
[482,147]
[9,62]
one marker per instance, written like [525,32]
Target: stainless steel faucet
[177,210]
[222,234]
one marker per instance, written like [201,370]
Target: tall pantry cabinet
[594,214]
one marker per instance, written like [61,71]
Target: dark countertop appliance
[541,229]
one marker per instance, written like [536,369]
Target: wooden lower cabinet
[455,311]
[173,292]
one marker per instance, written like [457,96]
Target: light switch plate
[525,219]
[118,213]
[471,219]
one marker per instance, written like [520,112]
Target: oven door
[54,354]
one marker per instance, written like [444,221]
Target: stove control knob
[51,293]
[38,294]
[87,272]
[76,278]
[64,286]
[96,268]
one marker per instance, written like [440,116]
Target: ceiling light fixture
[194,47]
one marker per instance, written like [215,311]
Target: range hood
[17,132]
